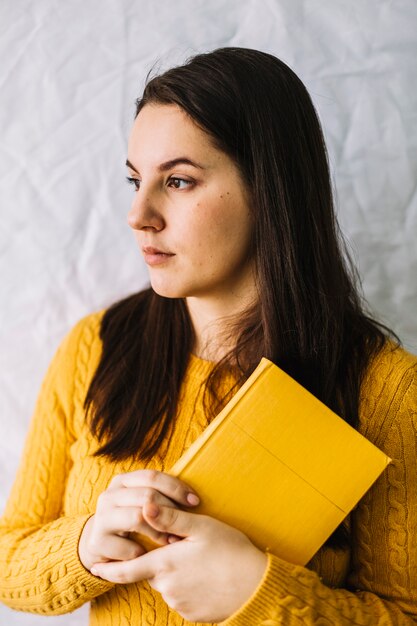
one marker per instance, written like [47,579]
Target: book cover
[280,466]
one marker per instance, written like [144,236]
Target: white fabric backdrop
[70,72]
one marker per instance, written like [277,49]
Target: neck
[213,323]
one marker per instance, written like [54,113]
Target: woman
[233,213]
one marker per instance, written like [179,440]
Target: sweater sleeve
[40,570]
[381,589]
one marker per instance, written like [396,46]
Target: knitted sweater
[374,583]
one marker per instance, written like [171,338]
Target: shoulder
[388,392]
[102,333]
[74,361]
[83,337]
[390,371]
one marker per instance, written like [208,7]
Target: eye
[179,183]
[133,181]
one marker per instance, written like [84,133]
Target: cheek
[220,228]
[232,229]
[205,228]
[220,219]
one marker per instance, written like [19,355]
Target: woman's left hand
[205,577]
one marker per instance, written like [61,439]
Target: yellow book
[280,466]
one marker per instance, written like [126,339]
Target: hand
[119,512]
[205,577]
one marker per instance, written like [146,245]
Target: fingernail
[193,499]
[94,571]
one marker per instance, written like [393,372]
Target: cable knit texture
[56,489]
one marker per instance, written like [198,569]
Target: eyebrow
[167,165]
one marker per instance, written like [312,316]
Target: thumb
[169,520]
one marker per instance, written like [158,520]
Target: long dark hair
[310,319]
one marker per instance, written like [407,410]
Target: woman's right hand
[105,536]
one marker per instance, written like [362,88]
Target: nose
[143,214]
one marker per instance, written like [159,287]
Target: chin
[168,291]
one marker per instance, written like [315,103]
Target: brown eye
[179,183]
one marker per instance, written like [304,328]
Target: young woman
[232,211]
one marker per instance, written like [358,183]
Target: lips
[152,250]
[155,256]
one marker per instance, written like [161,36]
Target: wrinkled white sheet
[70,72]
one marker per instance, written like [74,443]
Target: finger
[117,549]
[124,572]
[123,520]
[137,496]
[169,486]
[171,521]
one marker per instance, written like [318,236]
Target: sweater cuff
[263,606]
[86,585]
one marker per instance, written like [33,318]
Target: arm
[40,570]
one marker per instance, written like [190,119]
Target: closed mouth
[151,250]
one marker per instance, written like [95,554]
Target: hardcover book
[280,466]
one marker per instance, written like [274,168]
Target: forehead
[161,131]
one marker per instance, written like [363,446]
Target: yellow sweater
[374,583]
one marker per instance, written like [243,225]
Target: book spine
[186,458]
